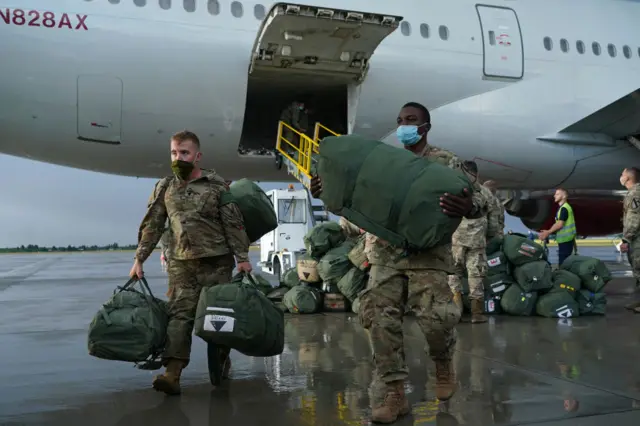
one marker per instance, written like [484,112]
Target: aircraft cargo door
[502,42]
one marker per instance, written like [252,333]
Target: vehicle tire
[277,271]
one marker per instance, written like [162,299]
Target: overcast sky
[51,205]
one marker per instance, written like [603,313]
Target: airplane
[540,93]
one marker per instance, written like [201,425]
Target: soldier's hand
[457,205]
[624,247]
[136,270]
[316,186]
[244,267]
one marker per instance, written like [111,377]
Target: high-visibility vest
[568,231]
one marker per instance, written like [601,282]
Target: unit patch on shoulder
[635,203]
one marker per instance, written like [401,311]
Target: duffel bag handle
[239,277]
[144,286]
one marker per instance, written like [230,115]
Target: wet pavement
[511,371]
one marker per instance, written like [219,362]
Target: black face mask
[182,169]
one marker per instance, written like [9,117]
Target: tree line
[34,248]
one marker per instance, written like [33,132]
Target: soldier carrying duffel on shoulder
[205,237]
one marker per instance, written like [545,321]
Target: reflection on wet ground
[511,371]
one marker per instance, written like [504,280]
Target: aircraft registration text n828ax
[47,19]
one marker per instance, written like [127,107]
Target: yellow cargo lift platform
[298,155]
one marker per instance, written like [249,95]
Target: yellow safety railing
[316,131]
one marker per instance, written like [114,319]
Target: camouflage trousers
[474,262]
[186,279]
[382,306]
[633,255]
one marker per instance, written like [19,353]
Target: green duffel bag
[322,238]
[534,276]
[277,294]
[357,255]
[387,191]
[497,284]
[514,301]
[352,283]
[491,303]
[593,272]
[335,264]
[290,277]
[591,303]
[131,326]
[256,208]
[494,245]
[565,281]
[303,299]
[262,283]
[498,264]
[520,250]
[240,316]
[559,304]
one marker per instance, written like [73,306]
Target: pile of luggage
[520,281]
[328,277]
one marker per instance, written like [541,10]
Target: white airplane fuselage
[102,84]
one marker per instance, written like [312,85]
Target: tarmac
[511,371]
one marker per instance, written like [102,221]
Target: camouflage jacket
[381,253]
[631,216]
[295,118]
[498,212]
[350,230]
[165,243]
[200,227]
[474,233]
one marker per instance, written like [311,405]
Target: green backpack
[514,301]
[257,209]
[335,264]
[240,316]
[131,326]
[534,276]
[322,238]
[303,299]
[520,250]
[494,245]
[558,304]
[352,283]
[593,272]
[290,277]
[389,192]
[592,303]
[565,281]
[497,263]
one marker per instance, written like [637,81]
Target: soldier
[469,251]
[418,280]
[205,239]
[349,229]
[631,225]
[296,116]
[165,255]
[499,207]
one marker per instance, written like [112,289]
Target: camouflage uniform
[205,237]
[349,229]
[296,118]
[496,213]
[631,234]
[419,281]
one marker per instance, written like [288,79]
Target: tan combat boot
[477,309]
[445,380]
[457,299]
[394,405]
[632,306]
[169,382]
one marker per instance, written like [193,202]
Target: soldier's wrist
[242,258]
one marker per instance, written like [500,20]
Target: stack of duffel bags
[520,281]
[328,277]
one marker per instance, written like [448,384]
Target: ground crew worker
[469,245]
[418,281]
[630,179]
[499,207]
[296,116]
[565,227]
[205,239]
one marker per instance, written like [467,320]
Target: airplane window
[627,51]
[259,11]
[595,46]
[213,6]
[165,4]
[444,32]
[564,45]
[236,9]
[140,3]
[548,43]
[405,28]
[425,31]
[580,47]
[189,5]
[613,52]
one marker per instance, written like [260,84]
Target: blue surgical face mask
[408,134]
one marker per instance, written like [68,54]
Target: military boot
[457,299]
[445,380]
[394,405]
[477,309]
[169,382]
[632,306]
